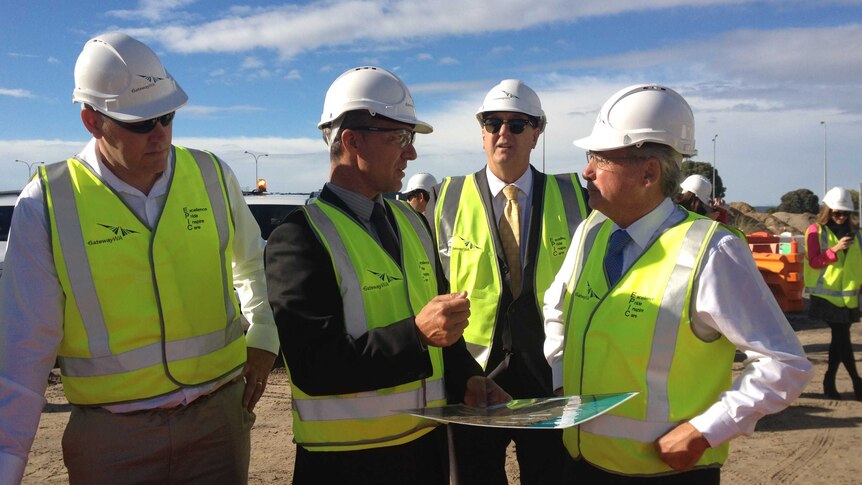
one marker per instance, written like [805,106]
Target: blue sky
[761,75]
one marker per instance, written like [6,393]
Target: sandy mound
[749,220]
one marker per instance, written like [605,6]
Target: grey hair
[670,162]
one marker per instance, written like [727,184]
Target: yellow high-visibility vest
[146,311]
[376,292]
[468,249]
[838,282]
[637,336]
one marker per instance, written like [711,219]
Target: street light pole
[713,166]
[29,167]
[825,165]
[256,155]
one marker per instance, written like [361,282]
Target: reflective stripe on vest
[468,249]
[638,335]
[837,282]
[391,295]
[155,362]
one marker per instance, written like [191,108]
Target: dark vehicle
[270,209]
[7,204]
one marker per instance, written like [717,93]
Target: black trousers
[480,455]
[841,352]
[423,461]
[580,472]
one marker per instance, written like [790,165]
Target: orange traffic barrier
[781,272]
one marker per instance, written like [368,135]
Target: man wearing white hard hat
[502,233]
[655,299]
[354,283]
[122,263]
[419,190]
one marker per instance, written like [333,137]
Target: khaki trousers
[206,442]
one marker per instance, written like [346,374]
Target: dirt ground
[815,441]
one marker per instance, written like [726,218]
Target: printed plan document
[549,412]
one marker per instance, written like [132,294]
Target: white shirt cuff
[716,425]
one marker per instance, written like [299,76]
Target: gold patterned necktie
[510,236]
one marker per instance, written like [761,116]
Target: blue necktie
[614,257]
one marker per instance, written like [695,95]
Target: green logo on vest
[195,217]
[384,278]
[558,245]
[119,233]
[465,245]
[590,293]
[636,305]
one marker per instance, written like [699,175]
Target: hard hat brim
[151,110]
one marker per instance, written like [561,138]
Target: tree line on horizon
[797,201]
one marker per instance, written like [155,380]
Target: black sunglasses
[840,214]
[405,136]
[146,126]
[516,126]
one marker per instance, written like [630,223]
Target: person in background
[655,299]
[695,194]
[502,233]
[694,197]
[354,282]
[419,189]
[134,261]
[833,276]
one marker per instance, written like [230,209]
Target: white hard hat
[420,181]
[699,186]
[514,96]
[839,198]
[643,113]
[124,79]
[373,89]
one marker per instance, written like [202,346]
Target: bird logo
[152,79]
[384,277]
[118,231]
[468,244]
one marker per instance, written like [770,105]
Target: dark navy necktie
[614,256]
[385,233]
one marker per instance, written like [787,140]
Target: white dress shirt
[525,201]
[32,302]
[731,299]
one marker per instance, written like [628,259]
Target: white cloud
[448,61]
[800,67]
[209,112]
[16,93]
[292,164]
[251,62]
[152,10]
[293,75]
[294,29]
[500,50]
[424,56]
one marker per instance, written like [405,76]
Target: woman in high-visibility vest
[833,276]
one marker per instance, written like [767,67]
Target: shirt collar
[643,229]
[524,183]
[358,203]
